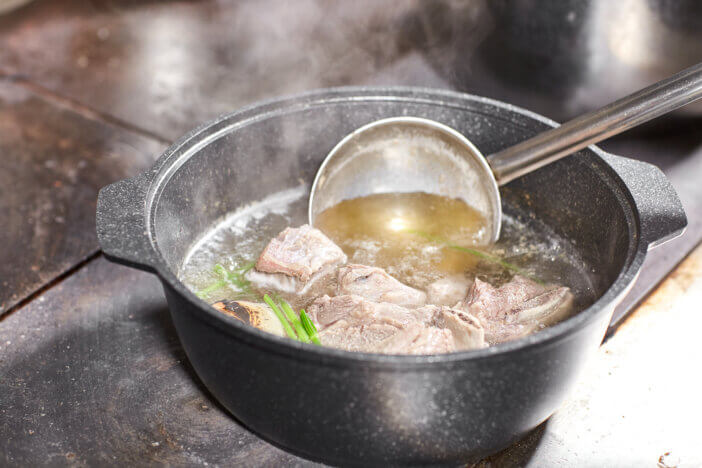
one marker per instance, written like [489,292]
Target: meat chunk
[362,338]
[516,308]
[549,307]
[376,285]
[414,338]
[356,310]
[497,302]
[467,331]
[355,323]
[417,339]
[300,253]
[297,260]
[448,291]
[276,281]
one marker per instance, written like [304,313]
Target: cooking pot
[356,408]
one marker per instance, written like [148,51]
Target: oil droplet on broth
[382,230]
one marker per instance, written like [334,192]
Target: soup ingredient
[298,260]
[372,311]
[448,291]
[252,313]
[235,278]
[357,310]
[467,331]
[547,307]
[443,330]
[302,327]
[417,339]
[475,252]
[295,320]
[516,308]
[376,285]
[300,253]
[309,327]
[283,321]
[355,323]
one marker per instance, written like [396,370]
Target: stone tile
[93,374]
[52,163]
[169,66]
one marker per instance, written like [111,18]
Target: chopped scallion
[309,327]
[234,278]
[478,253]
[295,320]
[286,326]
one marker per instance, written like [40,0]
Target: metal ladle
[409,154]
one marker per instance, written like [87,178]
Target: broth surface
[393,231]
[407,234]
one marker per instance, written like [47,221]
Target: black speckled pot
[349,408]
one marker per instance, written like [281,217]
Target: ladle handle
[630,111]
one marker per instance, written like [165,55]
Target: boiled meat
[295,260]
[355,323]
[300,253]
[378,286]
[516,308]
[448,291]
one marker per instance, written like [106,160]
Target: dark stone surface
[52,163]
[167,66]
[93,374]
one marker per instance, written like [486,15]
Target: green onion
[222,272]
[247,267]
[478,253]
[309,327]
[295,320]
[234,278]
[286,326]
[203,293]
[237,277]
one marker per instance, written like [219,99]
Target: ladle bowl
[408,154]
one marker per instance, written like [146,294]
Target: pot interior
[250,155]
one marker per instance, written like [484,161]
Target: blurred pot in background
[565,57]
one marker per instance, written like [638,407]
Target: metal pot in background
[566,57]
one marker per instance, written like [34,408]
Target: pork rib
[377,285]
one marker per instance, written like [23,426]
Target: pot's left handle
[121,223]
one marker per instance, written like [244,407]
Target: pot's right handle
[661,214]
[121,223]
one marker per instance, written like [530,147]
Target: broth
[391,231]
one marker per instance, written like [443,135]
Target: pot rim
[187,146]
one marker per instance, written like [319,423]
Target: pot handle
[121,223]
[661,214]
